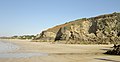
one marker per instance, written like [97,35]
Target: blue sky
[24,17]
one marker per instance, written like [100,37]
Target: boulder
[114,51]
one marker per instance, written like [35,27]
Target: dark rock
[114,51]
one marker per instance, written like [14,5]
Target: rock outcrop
[114,51]
[103,29]
[45,36]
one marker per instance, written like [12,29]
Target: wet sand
[60,52]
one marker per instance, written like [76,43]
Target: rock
[103,29]
[46,36]
[114,51]
[59,35]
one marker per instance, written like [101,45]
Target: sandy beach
[60,52]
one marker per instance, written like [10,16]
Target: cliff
[103,29]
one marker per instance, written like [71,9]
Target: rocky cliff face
[103,29]
[45,36]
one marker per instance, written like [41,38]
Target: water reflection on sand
[6,47]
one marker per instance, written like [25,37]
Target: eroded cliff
[103,29]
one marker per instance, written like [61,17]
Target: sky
[30,17]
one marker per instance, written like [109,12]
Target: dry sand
[61,52]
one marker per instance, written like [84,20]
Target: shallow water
[21,55]
[5,47]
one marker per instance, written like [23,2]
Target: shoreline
[60,52]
